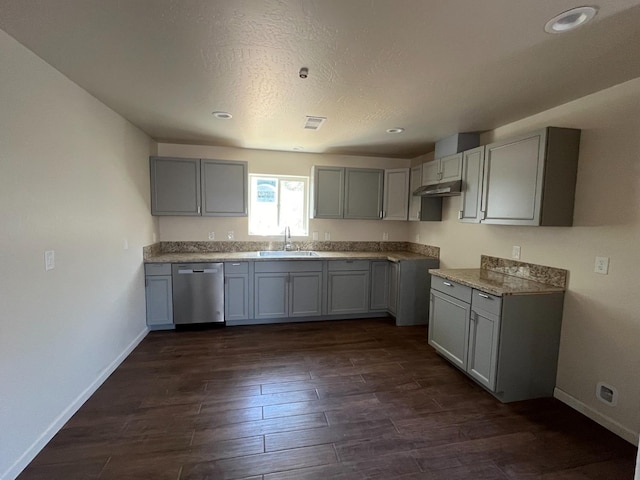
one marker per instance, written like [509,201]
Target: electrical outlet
[49,260]
[385,236]
[515,252]
[125,244]
[327,235]
[417,238]
[315,235]
[602,265]
[154,236]
[230,235]
[212,235]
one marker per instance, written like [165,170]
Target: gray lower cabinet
[158,296]
[193,186]
[287,289]
[347,287]
[237,291]
[394,282]
[339,192]
[379,299]
[508,344]
[408,282]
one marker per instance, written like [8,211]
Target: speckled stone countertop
[235,256]
[501,276]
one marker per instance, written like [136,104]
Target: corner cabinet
[159,296]
[531,179]
[354,193]
[198,187]
[396,194]
[509,345]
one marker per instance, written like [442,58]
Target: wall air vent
[313,123]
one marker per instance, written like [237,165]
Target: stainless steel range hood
[446,189]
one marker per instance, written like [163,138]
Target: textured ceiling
[434,67]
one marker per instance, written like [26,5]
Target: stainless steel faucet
[287,239]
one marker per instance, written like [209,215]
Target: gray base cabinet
[159,296]
[509,344]
[348,286]
[287,289]
[237,291]
[379,299]
[409,281]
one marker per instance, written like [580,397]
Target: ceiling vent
[313,123]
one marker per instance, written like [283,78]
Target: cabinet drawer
[456,290]
[337,265]
[487,302]
[275,266]
[236,267]
[157,269]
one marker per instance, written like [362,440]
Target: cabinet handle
[447,284]
[483,214]
[459,214]
[198,209]
[484,295]
[235,264]
[381,213]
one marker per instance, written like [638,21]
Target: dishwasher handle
[190,271]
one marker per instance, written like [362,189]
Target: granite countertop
[494,282]
[236,256]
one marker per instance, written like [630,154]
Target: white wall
[74,179]
[601,324]
[278,163]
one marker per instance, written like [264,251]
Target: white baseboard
[26,458]
[606,422]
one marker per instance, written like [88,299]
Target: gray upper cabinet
[328,192]
[396,194]
[531,179]
[175,186]
[363,193]
[355,193]
[445,169]
[192,186]
[224,188]
[472,175]
[414,202]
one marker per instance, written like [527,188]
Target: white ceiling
[434,67]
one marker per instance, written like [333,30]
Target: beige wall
[73,179]
[601,323]
[281,163]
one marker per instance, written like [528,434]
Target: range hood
[446,189]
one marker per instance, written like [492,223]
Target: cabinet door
[305,294]
[471,196]
[348,292]
[271,295]
[451,168]
[236,297]
[175,186]
[224,188]
[414,202]
[431,172]
[379,286]
[363,193]
[159,301]
[483,347]
[396,194]
[449,327]
[328,192]
[513,174]
[394,284]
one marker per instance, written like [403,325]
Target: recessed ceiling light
[570,19]
[222,115]
[395,130]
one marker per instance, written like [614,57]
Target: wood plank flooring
[358,399]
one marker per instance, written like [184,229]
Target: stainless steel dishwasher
[198,293]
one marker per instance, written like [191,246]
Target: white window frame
[305,207]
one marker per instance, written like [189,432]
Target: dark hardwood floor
[358,399]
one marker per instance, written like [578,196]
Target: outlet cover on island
[212,235]
[230,235]
[602,265]
[515,252]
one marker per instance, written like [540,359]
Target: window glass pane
[278,202]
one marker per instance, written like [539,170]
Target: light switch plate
[385,236]
[602,265]
[49,260]
[515,252]
[212,235]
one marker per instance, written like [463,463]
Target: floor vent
[313,123]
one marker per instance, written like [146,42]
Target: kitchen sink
[287,253]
